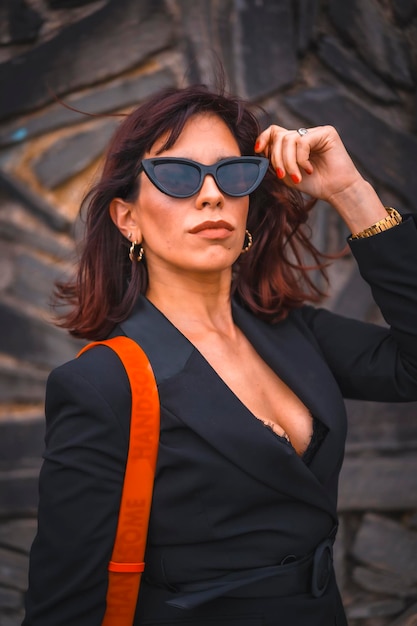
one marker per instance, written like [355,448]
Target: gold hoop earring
[248,241]
[136,252]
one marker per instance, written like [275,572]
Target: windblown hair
[270,280]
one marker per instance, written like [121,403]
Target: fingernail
[295,179]
[257,146]
[280,172]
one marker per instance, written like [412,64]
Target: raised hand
[317,163]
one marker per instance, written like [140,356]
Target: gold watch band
[393,219]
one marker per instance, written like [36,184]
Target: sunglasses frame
[148,166]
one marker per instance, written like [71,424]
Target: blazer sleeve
[80,489]
[371,362]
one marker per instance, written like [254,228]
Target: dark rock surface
[277,60]
[372,483]
[13,188]
[383,582]
[99,100]
[307,12]
[387,546]
[351,69]
[67,4]
[24,22]
[24,337]
[364,24]
[71,155]
[125,33]
[404,10]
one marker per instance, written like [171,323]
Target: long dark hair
[269,280]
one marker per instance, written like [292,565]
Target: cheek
[159,221]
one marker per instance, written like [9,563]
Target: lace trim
[317,437]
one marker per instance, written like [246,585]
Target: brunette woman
[251,378]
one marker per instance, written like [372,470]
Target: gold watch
[393,219]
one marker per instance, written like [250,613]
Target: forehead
[203,131]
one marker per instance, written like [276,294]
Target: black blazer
[229,494]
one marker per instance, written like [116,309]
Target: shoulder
[99,367]
[96,382]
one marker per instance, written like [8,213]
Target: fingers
[288,151]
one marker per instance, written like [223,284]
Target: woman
[251,379]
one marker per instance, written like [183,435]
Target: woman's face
[200,234]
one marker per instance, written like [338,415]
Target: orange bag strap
[126,565]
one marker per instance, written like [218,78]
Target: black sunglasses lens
[237,178]
[178,179]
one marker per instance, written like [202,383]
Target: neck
[195,304]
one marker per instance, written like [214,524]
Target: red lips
[211,225]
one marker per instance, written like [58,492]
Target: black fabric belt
[310,574]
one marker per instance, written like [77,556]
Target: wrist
[359,206]
[393,218]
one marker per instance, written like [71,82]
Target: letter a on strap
[126,565]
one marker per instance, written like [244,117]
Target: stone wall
[351,64]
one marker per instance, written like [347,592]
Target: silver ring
[302,131]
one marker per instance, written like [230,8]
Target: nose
[210,194]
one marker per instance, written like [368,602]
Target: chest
[259,388]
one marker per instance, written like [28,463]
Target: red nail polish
[295,178]
[257,145]
[280,172]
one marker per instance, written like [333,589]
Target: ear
[124,217]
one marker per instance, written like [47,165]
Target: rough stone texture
[18,225]
[10,599]
[122,30]
[65,4]
[235,32]
[71,155]
[351,64]
[33,278]
[13,569]
[18,534]
[13,618]
[351,69]
[19,493]
[386,427]
[306,19]
[386,545]
[13,188]
[404,10]
[20,382]
[275,25]
[117,95]
[21,440]
[28,274]
[24,337]
[383,582]
[409,618]
[23,22]
[372,483]
[381,46]
[377,608]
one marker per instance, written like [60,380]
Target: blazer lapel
[298,363]
[192,390]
